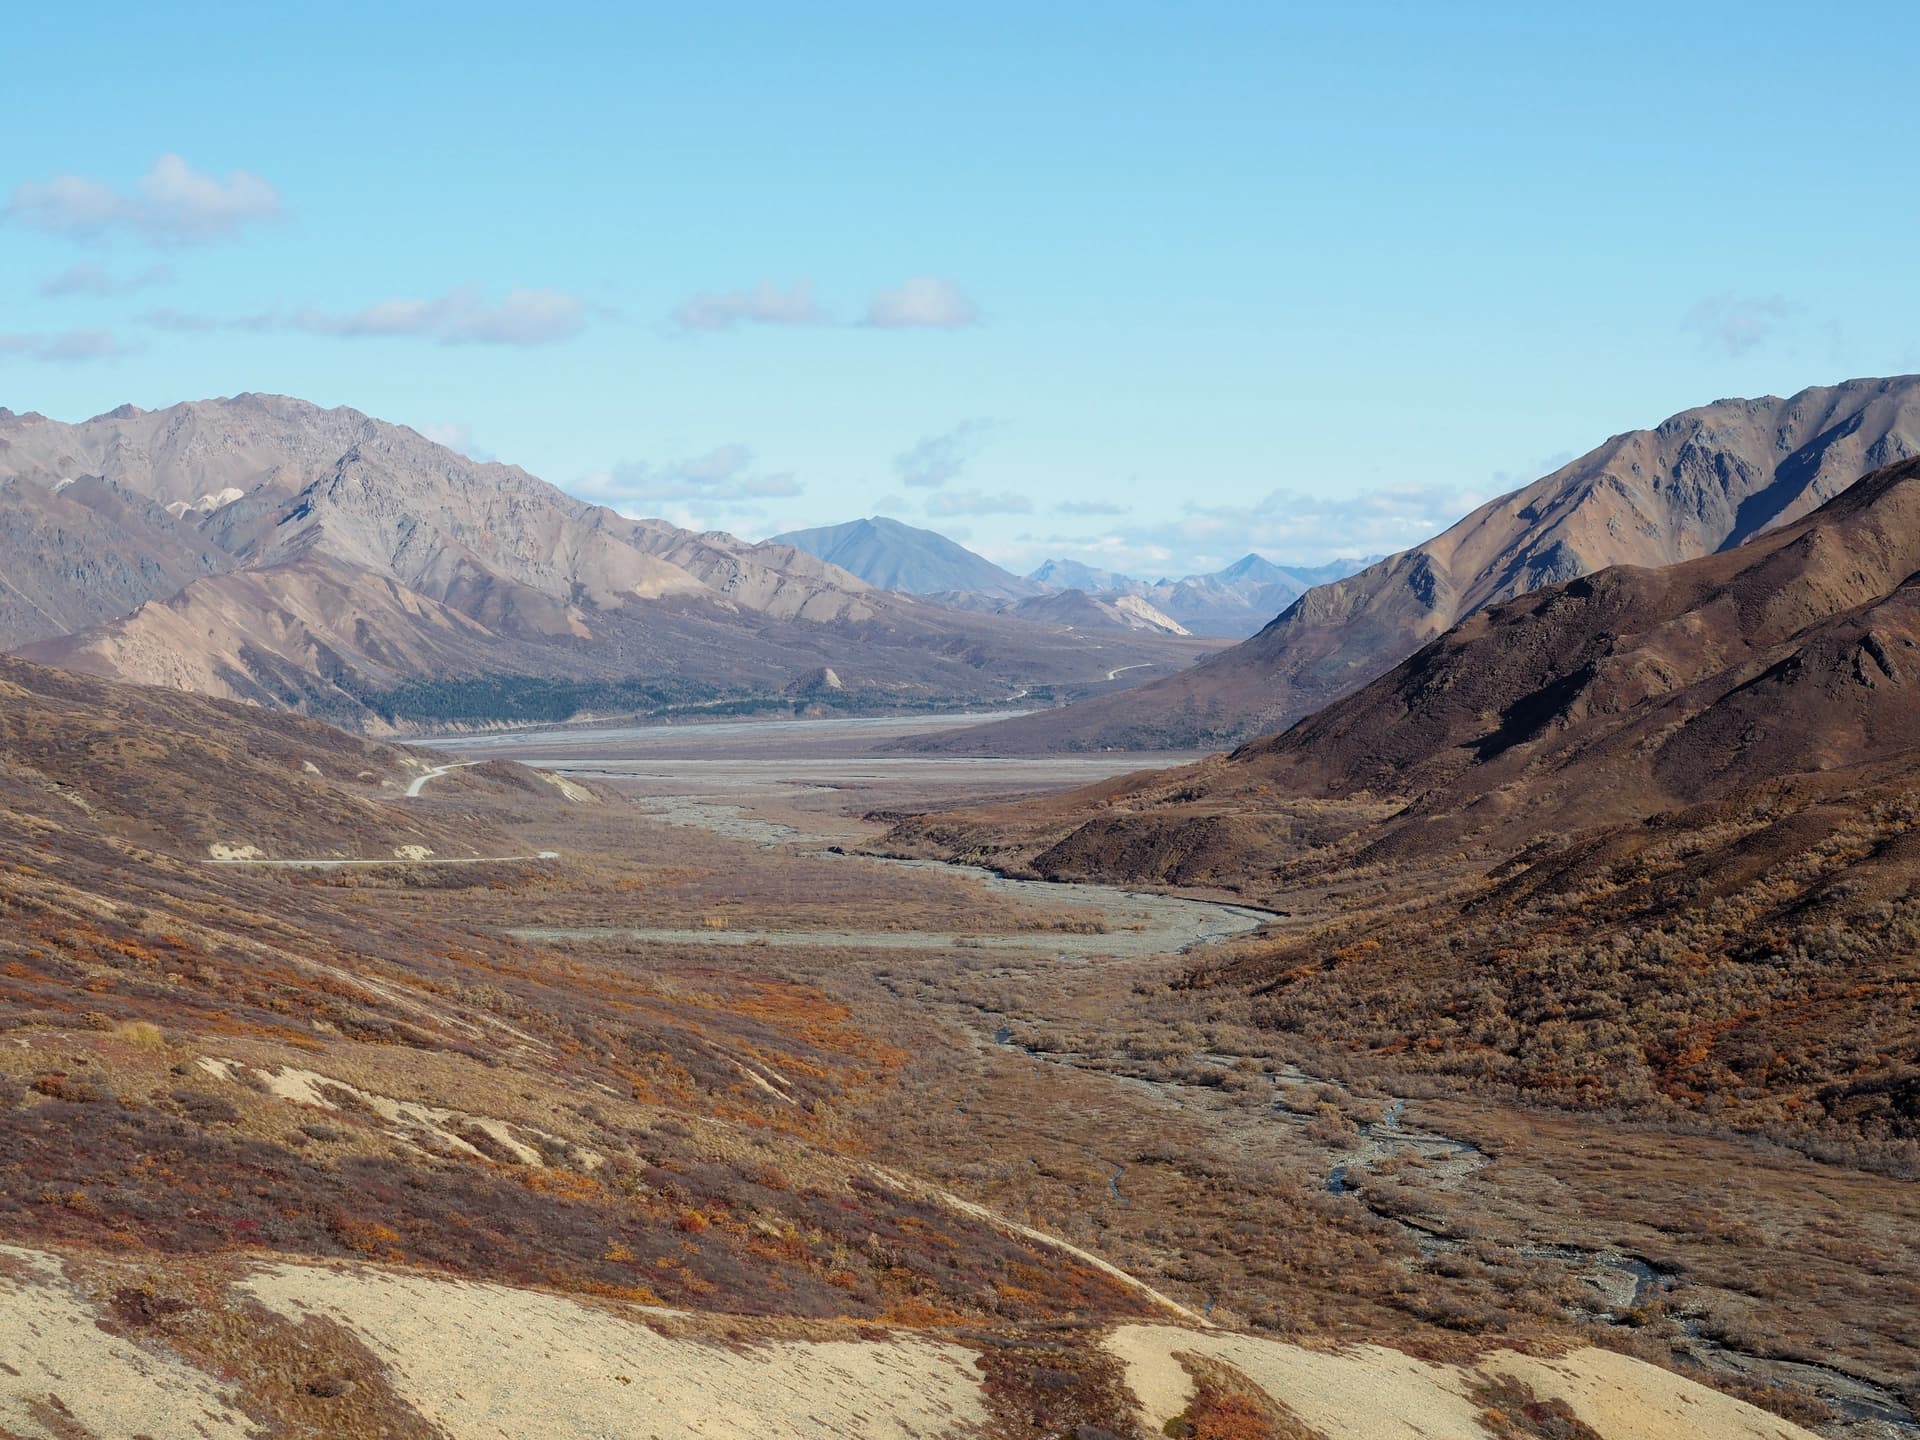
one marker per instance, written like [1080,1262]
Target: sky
[1143,285]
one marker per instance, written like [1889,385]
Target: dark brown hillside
[130,764]
[1616,695]
[1649,838]
[1704,481]
[1627,690]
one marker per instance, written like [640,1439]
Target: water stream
[1142,925]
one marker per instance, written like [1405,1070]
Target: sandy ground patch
[578,794]
[486,1360]
[412,1120]
[1626,1400]
[1369,1392]
[59,1371]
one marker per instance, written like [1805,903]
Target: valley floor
[705,1099]
[1064,1080]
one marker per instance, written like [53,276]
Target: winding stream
[1143,925]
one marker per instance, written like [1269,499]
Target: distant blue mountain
[1238,600]
[896,556]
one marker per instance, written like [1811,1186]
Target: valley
[1533,1025]
[1497,1218]
[705,1072]
[972,723]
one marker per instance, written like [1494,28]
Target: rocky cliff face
[81,551]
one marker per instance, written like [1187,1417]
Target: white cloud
[765,304]
[178,322]
[63,347]
[1737,323]
[722,476]
[456,435]
[975,502]
[922,302]
[94,281]
[1286,526]
[939,458]
[460,317]
[172,204]
[1303,526]
[1089,507]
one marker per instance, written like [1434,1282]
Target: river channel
[777,785]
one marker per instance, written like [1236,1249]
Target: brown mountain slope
[286,1152]
[1630,690]
[1610,698]
[1647,838]
[86,550]
[1703,481]
[327,561]
[119,766]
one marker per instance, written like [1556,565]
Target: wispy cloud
[456,435]
[724,475]
[1737,323]
[940,458]
[172,204]
[1089,507]
[1286,526]
[96,282]
[180,322]
[922,302]
[1299,525]
[459,317]
[763,304]
[975,502]
[63,347]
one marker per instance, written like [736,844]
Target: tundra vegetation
[209,1068]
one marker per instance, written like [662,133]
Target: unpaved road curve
[420,781]
[396,860]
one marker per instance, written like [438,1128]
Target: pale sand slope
[62,1375]
[488,1360]
[482,1361]
[1372,1393]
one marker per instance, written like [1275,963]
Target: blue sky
[1143,284]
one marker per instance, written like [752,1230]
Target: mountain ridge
[363,560]
[1643,839]
[1700,481]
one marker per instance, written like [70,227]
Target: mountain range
[1236,601]
[1576,924]
[1703,481]
[1232,602]
[264,549]
[1650,833]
